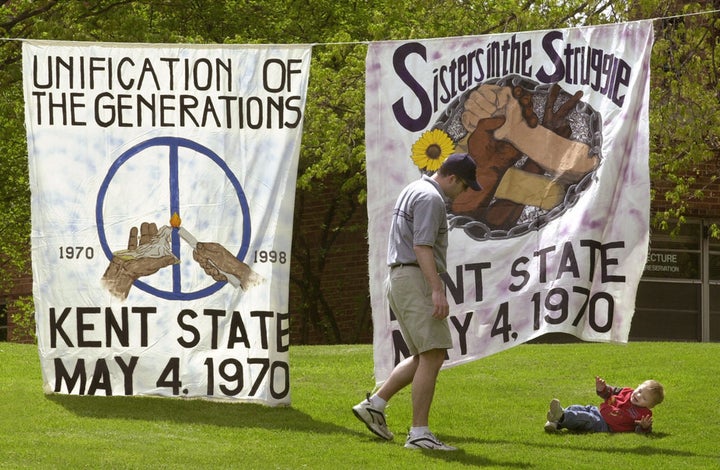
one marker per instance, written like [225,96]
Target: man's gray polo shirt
[419,218]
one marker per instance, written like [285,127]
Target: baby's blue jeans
[583,418]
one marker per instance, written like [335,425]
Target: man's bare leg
[423,385]
[400,377]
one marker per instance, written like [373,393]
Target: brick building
[679,294]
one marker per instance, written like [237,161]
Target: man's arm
[426,260]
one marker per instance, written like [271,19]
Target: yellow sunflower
[431,149]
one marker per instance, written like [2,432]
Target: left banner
[163,184]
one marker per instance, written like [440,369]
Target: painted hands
[143,257]
[151,251]
[221,265]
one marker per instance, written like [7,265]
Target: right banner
[557,124]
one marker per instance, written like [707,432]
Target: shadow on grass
[565,446]
[477,460]
[460,456]
[251,415]
[237,415]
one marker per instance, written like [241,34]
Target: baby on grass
[624,409]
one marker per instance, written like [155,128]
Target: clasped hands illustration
[149,252]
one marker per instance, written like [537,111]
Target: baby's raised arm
[599,384]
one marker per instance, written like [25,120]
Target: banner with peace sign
[163,184]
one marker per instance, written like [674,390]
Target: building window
[679,294]
[675,257]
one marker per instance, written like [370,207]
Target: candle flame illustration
[175,220]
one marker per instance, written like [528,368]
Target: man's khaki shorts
[410,299]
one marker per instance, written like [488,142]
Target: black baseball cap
[463,166]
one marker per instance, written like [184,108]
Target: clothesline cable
[341,43]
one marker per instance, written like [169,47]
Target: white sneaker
[551,426]
[554,415]
[373,418]
[426,441]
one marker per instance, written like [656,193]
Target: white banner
[163,184]
[557,122]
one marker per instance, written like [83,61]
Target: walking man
[417,250]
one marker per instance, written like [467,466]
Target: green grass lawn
[492,409]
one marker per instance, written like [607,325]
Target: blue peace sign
[173,144]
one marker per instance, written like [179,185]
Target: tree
[685,124]
[14,184]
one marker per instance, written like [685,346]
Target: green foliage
[14,187]
[23,319]
[684,122]
[492,409]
